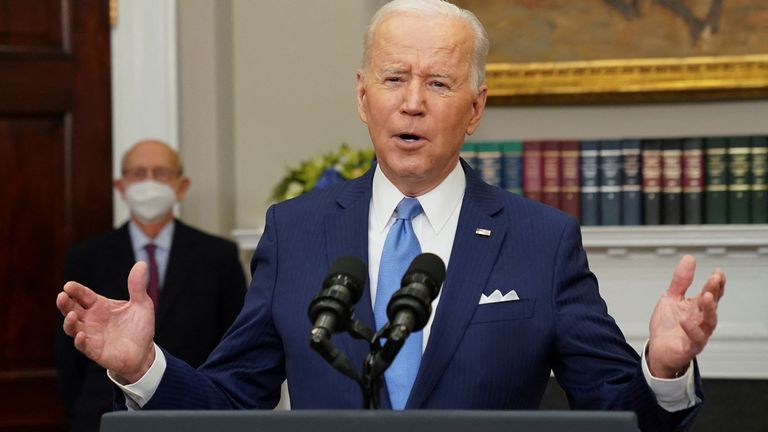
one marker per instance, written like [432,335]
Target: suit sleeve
[594,364]
[247,368]
[233,288]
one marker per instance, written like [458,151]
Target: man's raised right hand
[116,334]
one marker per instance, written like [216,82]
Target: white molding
[144,79]
[678,236]
[247,238]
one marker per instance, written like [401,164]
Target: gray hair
[437,7]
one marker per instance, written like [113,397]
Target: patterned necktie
[400,248]
[153,284]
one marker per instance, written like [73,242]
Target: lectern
[370,421]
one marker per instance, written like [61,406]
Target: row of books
[715,180]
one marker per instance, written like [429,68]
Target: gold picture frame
[629,80]
[624,51]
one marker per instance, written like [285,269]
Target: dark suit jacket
[490,356]
[203,291]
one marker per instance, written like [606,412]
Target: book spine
[739,181]
[715,181]
[532,170]
[489,162]
[588,166]
[759,187]
[550,161]
[512,155]
[693,181]
[671,182]
[468,152]
[631,190]
[651,172]
[569,191]
[610,182]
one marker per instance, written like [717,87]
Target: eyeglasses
[161,174]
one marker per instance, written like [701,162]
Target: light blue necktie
[400,248]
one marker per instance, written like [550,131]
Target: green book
[739,181]
[759,188]
[512,155]
[468,152]
[489,163]
[716,181]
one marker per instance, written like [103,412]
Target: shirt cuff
[674,394]
[140,392]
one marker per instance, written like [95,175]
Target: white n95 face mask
[149,200]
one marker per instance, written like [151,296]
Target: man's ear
[478,107]
[119,185]
[361,108]
[181,190]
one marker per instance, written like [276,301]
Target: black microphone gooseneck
[408,311]
[331,310]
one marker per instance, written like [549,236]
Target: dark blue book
[632,189]
[588,167]
[610,182]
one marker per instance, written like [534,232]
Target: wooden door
[55,171]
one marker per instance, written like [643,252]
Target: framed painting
[604,51]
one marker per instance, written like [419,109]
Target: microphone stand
[379,359]
[376,362]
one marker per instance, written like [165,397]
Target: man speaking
[420,91]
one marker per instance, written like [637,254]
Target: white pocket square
[496,297]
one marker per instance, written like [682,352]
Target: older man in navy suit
[420,91]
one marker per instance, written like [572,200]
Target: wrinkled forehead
[418,36]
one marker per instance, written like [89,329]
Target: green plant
[343,164]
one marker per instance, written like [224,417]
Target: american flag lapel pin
[483,232]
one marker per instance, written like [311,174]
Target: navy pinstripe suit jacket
[490,356]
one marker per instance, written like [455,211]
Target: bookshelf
[634,265]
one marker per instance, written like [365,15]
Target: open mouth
[409,137]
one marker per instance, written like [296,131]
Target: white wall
[294,97]
[206,122]
[294,78]
[144,91]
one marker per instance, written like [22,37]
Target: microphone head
[354,269]
[430,265]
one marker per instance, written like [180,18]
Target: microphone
[331,309]
[408,310]
[410,306]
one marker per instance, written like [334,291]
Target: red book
[550,162]
[569,179]
[532,170]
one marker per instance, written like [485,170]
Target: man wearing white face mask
[195,279]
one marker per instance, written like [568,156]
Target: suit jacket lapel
[472,259]
[346,233]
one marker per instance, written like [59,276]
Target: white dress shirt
[162,243]
[435,228]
